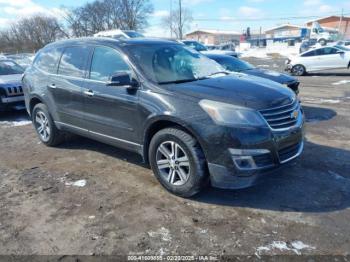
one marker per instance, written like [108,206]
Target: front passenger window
[106,62]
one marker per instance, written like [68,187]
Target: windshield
[133,34]
[233,64]
[167,63]
[10,68]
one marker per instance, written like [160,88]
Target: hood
[271,75]
[237,89]
[11,79]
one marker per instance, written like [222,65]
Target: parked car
[24,60]
[204,50]
[306,45]
[345,43]
[11,93]
[233,64]
[192,121]
[331,57]
[119,34]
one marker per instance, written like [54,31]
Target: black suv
[189,118]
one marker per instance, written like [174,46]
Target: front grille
[282,117]
[263,160]
[14,91]
[289,152]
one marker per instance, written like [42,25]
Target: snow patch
[342,82]
[16,123]
[295,246]
[163,233]
[78,183]
[320,100]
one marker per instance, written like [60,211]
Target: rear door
[111,112]
[309,60]
[66,86]
[328,58]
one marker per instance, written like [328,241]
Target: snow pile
[342,82]
[295,246]
[79,183]
[281,49]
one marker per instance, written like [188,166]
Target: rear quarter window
[73,61]
[47,60]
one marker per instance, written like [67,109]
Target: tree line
[32,33]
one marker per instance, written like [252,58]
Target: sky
[234,15]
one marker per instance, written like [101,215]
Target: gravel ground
[89,198]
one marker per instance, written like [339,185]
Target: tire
[45,127]
[322,42]
[178,176]
[298,70]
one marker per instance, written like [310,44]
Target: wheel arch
[33,102]
[165,122]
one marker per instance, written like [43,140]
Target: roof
[326,17]
[215,32]
[284,25]
[110,41]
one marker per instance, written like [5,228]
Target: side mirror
[123,79]
[340,52]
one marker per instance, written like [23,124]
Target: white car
[330,57]
[119,34]
[205,51]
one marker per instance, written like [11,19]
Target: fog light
[244,162]
[243,159]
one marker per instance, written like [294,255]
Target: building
[213,37]
[286,31]
[341,24]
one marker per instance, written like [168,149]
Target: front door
[111,112]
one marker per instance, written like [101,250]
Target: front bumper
[244,156]
[221,176]
[15,102]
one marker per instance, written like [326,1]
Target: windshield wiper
[220,72]
[178,81]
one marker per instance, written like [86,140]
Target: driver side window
[106,62]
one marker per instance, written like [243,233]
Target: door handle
[52,86]
[89,93]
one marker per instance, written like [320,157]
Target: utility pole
[171,18]
[180,20]
[340,22]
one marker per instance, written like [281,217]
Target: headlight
[230,115]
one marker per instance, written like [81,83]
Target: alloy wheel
[173,163]
[42,126]
[298,70]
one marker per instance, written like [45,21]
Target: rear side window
[106,62]
[311,53]
[73,61]
[47,60]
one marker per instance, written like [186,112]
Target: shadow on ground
[317,114]
[14,116]
[317,182]
[307,185]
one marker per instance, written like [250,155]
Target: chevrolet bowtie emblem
[294,114]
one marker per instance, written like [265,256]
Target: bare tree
[30,34]
[103,15]
[178,21]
